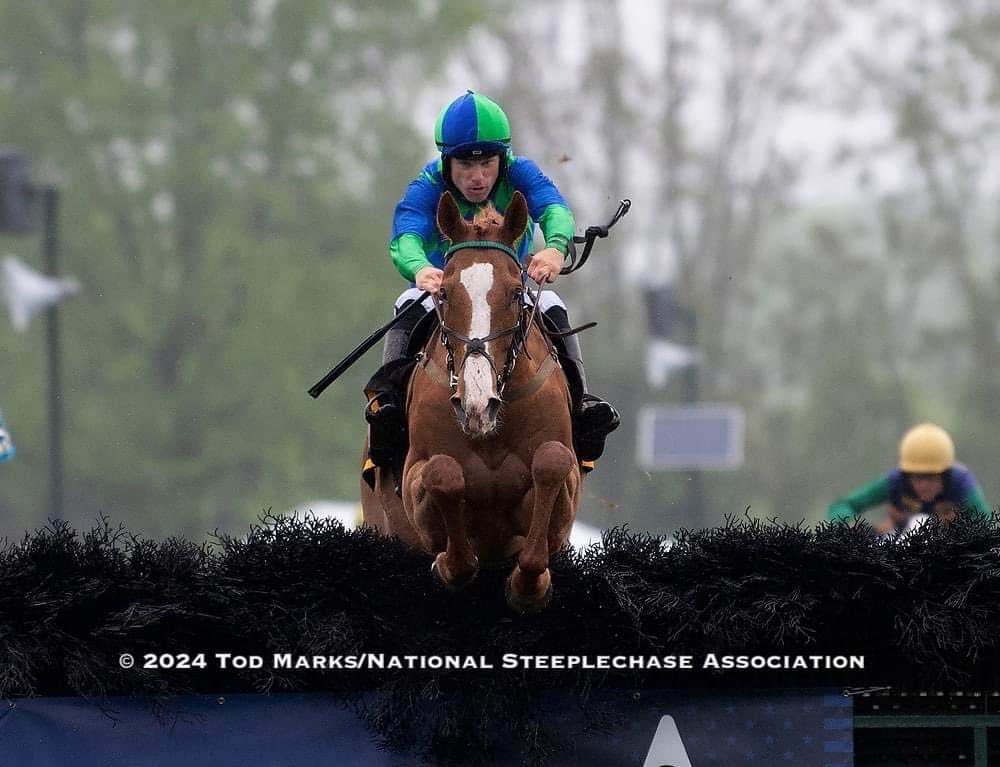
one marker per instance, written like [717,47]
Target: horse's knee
[552,463]
[443,478]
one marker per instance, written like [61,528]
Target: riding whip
[364,346]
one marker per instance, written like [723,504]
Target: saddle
[395,374]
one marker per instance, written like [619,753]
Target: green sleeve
[976,503]
[558,227]
[862,499]
[408,254]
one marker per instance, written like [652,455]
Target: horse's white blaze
[478,375]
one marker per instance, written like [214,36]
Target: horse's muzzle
[477,422]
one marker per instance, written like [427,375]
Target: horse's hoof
[455,585]
[529,606]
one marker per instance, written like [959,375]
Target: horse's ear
[515,219]
[449,218]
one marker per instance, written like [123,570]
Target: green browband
[482,244]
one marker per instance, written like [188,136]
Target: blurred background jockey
[927,481]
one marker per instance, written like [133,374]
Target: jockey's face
[927,486]
[475,178]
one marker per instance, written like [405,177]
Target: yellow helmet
[926,449]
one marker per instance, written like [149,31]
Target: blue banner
[767,728]
[804,728]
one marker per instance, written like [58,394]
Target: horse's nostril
[456,403]
[492,408]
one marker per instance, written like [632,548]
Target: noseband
[477,346]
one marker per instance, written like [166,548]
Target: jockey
[478,168]
[927,481]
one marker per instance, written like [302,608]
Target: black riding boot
[593,418]
[385,409]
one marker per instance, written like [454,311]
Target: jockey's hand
[897,518]
[429,279]
[544,266]
[885,527]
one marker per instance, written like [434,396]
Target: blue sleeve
[962,481]
[537,188]
[415,213]
[545,204]
[967,492]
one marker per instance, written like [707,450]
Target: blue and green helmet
[472,126]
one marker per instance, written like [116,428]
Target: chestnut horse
[490,474]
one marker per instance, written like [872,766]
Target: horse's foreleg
[444,485]
[530,585]
[424,519]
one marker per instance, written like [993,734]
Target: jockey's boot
[593,418]
[385,409]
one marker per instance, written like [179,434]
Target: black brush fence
[361,619]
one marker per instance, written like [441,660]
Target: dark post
[18,203]
[50,219]
[695,485]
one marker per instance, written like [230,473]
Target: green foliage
[228,174]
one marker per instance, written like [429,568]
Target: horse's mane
[487,220]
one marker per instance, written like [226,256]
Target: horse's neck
[434,349]
[538,348]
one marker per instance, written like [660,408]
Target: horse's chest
[499,479]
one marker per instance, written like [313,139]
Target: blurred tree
[227,170]
[723,179]
[942,91]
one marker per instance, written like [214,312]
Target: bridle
[477,346]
